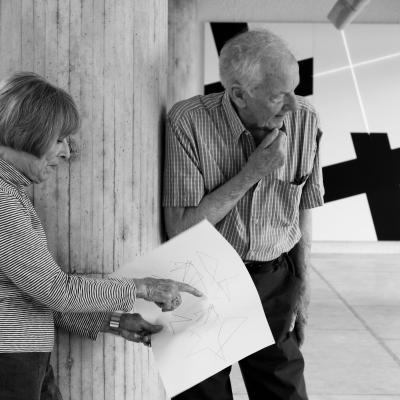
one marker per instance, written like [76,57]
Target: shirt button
[256,221]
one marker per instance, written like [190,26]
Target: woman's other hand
[134,328]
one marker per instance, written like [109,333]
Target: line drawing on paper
[204,328]
[200,318]
[189,273]
[213,342]
[207,331]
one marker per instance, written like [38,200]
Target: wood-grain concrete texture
[103,207]
[183,42]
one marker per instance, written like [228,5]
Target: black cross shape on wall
[375,172]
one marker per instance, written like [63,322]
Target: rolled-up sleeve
[313,190]
[26,261]
[183,184]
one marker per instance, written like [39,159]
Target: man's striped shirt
[33,288]
[207,144]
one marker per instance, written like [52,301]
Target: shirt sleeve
[27,262]
[313,191]
[183,181]
[83,324]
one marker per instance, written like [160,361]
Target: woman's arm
[26,261]
[132,327]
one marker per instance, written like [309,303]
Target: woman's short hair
[246,58]
[34,113]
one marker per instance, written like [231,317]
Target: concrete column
[184,64]
[102,208]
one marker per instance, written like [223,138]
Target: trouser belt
[265,264]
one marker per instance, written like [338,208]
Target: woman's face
[50,159]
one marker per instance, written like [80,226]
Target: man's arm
[214,206]
[268,156]
[302,251]
[301,256]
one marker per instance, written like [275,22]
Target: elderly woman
[35,120]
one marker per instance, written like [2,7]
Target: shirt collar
[234,121]
[10,174]
[236,125]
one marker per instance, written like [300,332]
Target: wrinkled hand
[164,292]
[299,327]
[267,157]
[301,315]
[134,328]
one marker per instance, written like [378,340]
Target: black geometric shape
[223,31]
[375,172]
[213,88]
[306,71]
[342,180]
[381,181]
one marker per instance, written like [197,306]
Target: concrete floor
[352,349]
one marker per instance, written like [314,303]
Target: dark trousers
[275,372]
[27,376]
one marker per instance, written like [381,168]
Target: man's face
[272,100]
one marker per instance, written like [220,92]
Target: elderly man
[247,160]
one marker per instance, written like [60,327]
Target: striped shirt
[35,293]
[207,144]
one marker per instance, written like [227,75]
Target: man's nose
[65,152]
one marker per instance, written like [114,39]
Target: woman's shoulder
[11,203]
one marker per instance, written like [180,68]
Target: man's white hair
[249,57]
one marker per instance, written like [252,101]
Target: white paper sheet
[203,335]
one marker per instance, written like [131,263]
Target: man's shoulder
[195,105]
[304,106]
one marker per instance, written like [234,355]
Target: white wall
[383,11]
[377,11]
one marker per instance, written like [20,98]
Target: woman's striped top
[34,291]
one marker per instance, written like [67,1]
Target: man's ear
[238,95]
